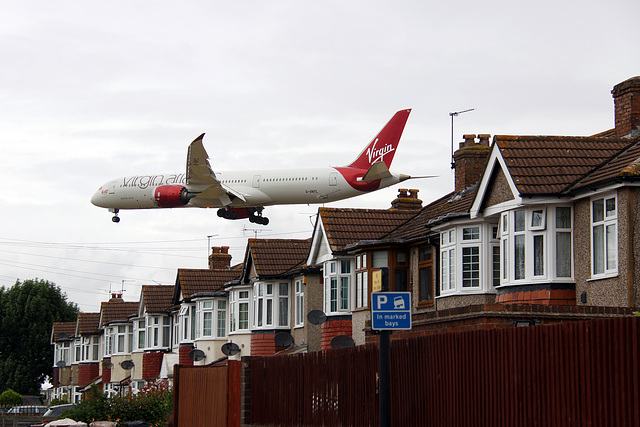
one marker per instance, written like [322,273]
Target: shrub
[152,405]
[10,398]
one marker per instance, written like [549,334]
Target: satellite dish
[127,365]
[283,339]
[106,364]
[342,341]
[230,348]
[316,317]
[196,355]
[61,363]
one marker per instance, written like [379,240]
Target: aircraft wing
[199,173]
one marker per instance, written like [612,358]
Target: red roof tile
[449,206]
[346,226]
[274,257]
[157,298]
[117,310]
[89,323]
[63,330]
[193,281]
[544,165]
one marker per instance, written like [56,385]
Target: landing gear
[115,218]
[254,214]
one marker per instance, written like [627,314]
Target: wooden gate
[207,395]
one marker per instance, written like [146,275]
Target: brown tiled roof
[452,205]
[346,226]
[63,330]
[193,281]
[273,257]
[157,298]
[89,323]
[547,165]
[117,310]
[623,165]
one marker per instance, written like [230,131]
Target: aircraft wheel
[264,221]
[115,219]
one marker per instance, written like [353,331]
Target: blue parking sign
[390,310]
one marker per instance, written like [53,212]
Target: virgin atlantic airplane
[244,194]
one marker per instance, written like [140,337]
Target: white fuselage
[259,188]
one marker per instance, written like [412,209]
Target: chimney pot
[484,138]
[469,139]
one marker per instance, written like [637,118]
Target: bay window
[212,316]
[158,331]
[337,286]
[239,310]
[271,305]
[536,245]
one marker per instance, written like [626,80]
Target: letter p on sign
[382,300]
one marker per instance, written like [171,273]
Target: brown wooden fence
[207,395]
[573,374]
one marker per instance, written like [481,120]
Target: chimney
[407,200]
[469,160]
[219,258]
[626,100]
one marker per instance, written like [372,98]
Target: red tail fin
[383,146]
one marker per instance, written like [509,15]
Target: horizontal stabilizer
[378,170]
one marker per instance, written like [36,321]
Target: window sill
[603,277]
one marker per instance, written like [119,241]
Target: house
[151,356]
[87,351]
[346,278]
[271,298]
[117,343]
[539,229]
[62,337]
[201,320]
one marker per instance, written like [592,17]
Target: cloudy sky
[92,90]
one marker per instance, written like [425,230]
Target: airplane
[244,194]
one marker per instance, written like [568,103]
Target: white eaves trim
[495,159]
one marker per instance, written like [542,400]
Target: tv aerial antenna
[456,114]
[255,231]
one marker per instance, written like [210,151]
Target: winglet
[383,147]
[198,168]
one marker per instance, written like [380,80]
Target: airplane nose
[95,199]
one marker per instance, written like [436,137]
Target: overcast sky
[92,90]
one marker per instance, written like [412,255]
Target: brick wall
[541,296]
[333,327]
[263,344]
[106,370]
[55,378]
[492,316]
[87,373]
[151,364]
[183,355]
[469,160]
[626,96]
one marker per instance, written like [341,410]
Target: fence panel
[201,396]
[571,374]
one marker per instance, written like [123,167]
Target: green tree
[27,312]
[10,398]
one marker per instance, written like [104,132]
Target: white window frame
[609,242]
[538,231]
[339,276]
[239,303]
[267,300]
[299,303]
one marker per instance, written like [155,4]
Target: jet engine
[172,196]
